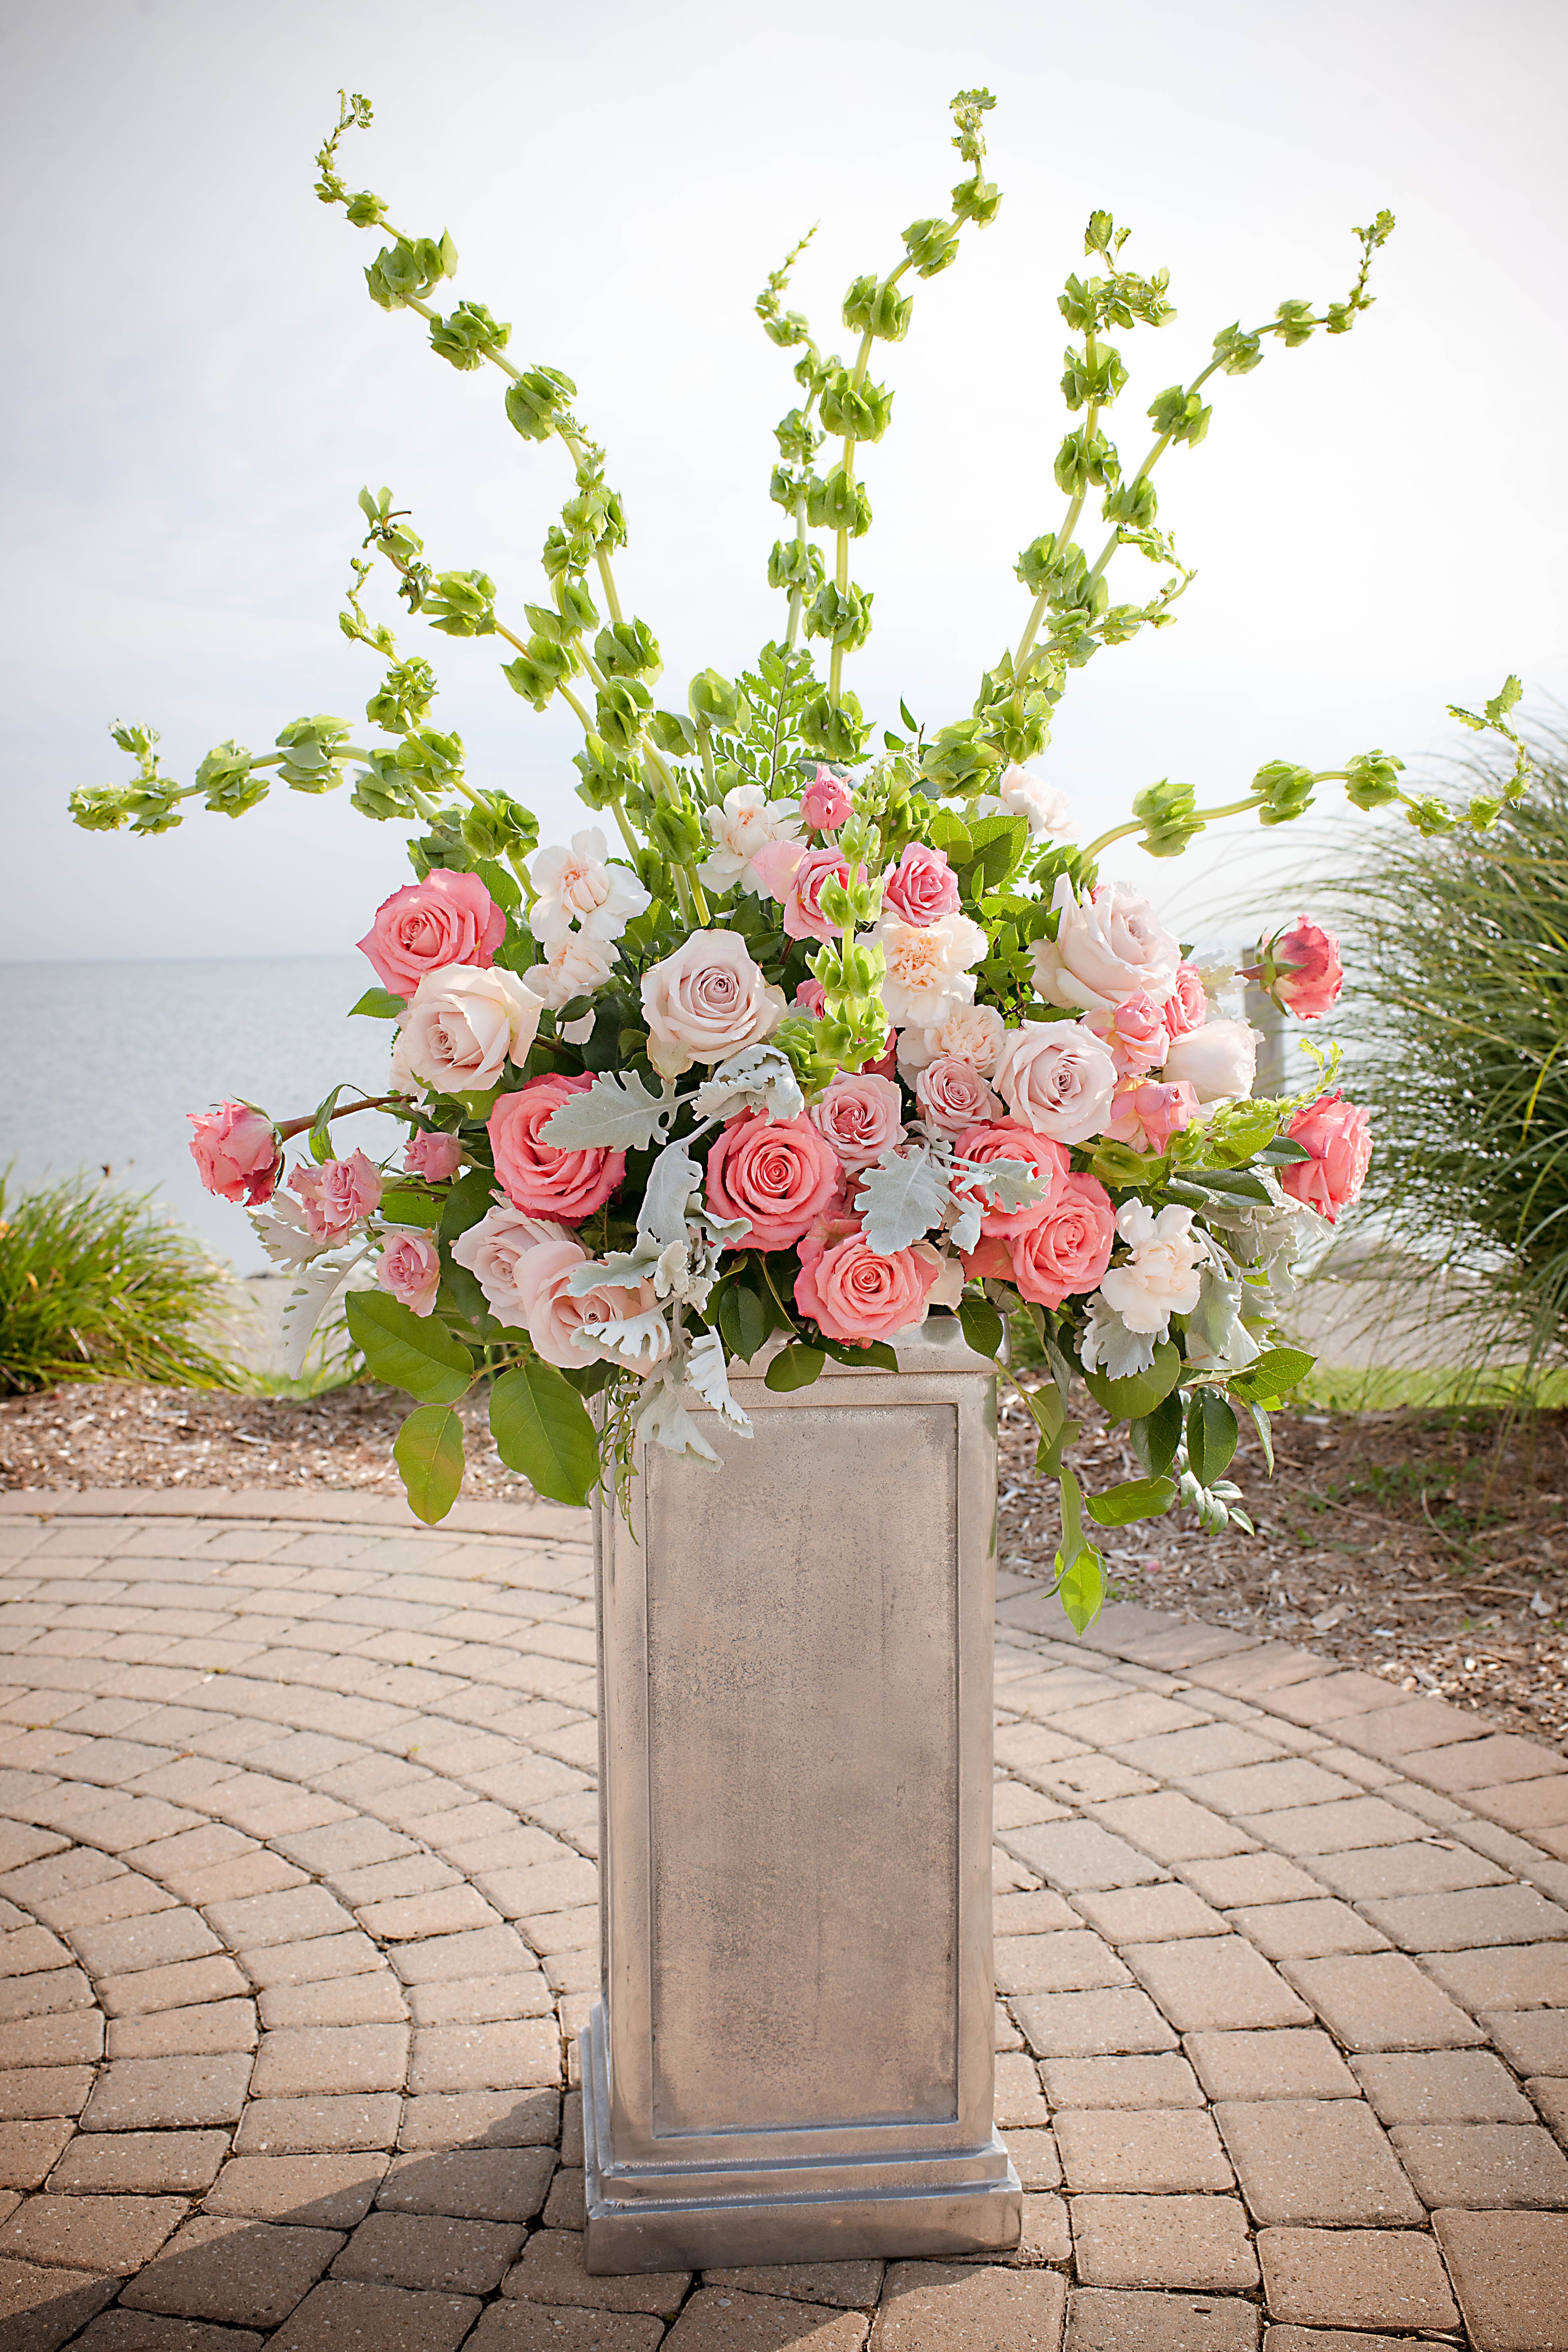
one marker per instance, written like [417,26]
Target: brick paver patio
[298,1928]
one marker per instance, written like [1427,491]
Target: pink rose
[1003,1139]
[801,892]
[854,1296]
[777,1173]
[1135,1033]
[860,1116]
[1339,1136]
[535,1176]
[1107,946]
[237,1155]
[990,1260]
[556,1320]
[432,1155]
[493,1250]
[337,1194]
[462,1028]
[1186,1007]
[1146,1115]
[1064,1253]
[921,887]
[1056,1077]
[446,918]
[410,1269]
[1310,973]
[954,1097]
[1220,1061]
[707,1001]
[826,803]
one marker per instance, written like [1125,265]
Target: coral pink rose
[1145,1113]
[410,1269]
[535,1176]
[557,1320]
[1310,973]
[236,1152]
[800,889]
[337,1194]
[954,1097]
[446,918]
[707,1001]
[777,1173]
[860,1116]
[1135,1034]
[1003,1139]
[990,1260]
[1186,1007]
[921,887]
[1339,1136]
[1064,1253]
[826,805]
[432,1155]
[854,1296]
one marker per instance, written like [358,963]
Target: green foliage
[409,1351]
[95,1287]
[428,1450]
[542,1431]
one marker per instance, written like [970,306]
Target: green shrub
[95,1286]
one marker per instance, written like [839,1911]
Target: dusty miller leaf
[899,1198]
[617,1110]
[760,1078]
[706,1371]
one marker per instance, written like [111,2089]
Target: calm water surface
[101,1062]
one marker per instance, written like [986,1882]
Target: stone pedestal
[792,2057]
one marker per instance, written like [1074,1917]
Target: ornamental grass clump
[824,1026]
[1460,1034]
[94,1285]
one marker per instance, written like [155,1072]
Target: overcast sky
[196,384]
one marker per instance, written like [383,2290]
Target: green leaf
[1056,1431]
[949,833]
[321,1136]
[1138,1394]
[409,1351]
[380,1004]
[402,1205]
[500,881]
[1081,1587]
[876,1357]
[795,1367]
[1211,1434]
[1282,1151]
[1156,1436]
[1230,1183]
[1271,1375]
[428,1450]
[470,1301]
[542,1430]
[982,1324]
[1259,1420]
[471,1197]
[1140,1499]
[745,1318]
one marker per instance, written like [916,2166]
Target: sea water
[99,1064]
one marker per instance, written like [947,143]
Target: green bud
[231,784]
[409,268]
[1133,503]
[798,438]
[713,701]
[1085,460]
[961,758]
[1098,235]
[312,746]
[784,487]
[1237,353]
[1370,779]
[536,673]
[594,514]
[495,823]
[1181,413]
[462,603]
[873,307]
[1483,812]
[1287,791]
[788,327]
[404,698]
[99,808]
[366,211]
[978,200]
[838,503]
[1430,816]
[839,731]
[842,615]
[931,246]
[676,827]
[795,564]
[859,412]
[672,734]
[536,401]
[604,778]
[618,713]
[468,336]
[1295,323]
[430,758]
[1168,813]
[1099,380]
[627,649]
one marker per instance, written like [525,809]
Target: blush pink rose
[446,918]
[337,1194]
[1004,1140]
[1146,1115]
[801,892]
[826,805]
[556,1319]
[1056,1077]
[860,1117]
[854,1296]
[954,1097]
[921,887]
[432,1155]
[1315,975]
[779,1175]
[236,1152]
[535,1176]
[707,1001]
[1339,1136]
[1064,1253]
[1186,1007]
[410,1269]
[1135,1033]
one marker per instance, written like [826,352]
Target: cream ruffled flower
[579,887]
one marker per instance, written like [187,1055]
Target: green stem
[627,835]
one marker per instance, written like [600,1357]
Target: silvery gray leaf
[308,1302]
[625,1268]
[673,1177]
[899,1198]
[1007,1184]
[663,1420]
[1109,1346]
[760,1078]
[617,1110]
[628,1335]
[1217,1338]
[284,1235]
[708,1372]
[964,1232]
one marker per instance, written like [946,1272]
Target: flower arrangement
[815,1034]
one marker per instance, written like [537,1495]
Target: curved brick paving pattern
[298,1928]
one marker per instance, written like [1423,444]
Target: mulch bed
[1425,1546]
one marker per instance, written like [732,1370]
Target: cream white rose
[969,1032]
[1107,946]
[576,965]
[1056,1077]
[463,1027]
[707,1000]
[1220,1061]
[1161,1278]
[579,886]
[927,967]
[747,822]
[1048,810]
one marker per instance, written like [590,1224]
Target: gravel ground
[1411,1544]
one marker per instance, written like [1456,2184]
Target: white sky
[197,384]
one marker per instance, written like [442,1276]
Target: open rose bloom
[822,1025]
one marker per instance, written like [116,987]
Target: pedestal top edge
[937,1346]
